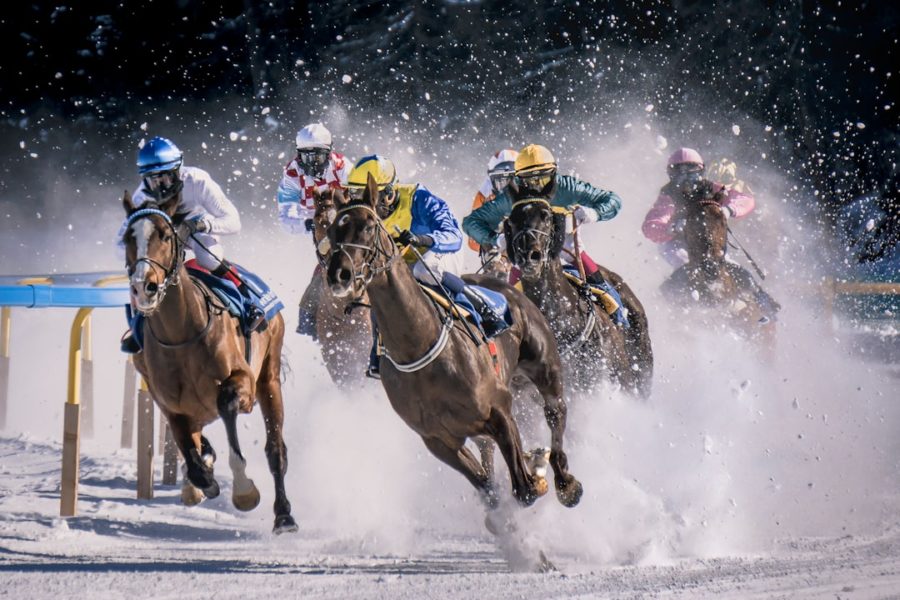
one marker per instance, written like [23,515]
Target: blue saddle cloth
[261,296]
[619,316]
[495,300]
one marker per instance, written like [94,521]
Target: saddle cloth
[602,293]
[463,308]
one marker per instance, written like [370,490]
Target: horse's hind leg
[268,393]
[460,458]
[547,380]
[232,390]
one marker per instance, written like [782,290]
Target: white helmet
[503,156]
[314,135]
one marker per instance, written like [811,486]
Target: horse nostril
[535,256]
[344,276]
[151,288]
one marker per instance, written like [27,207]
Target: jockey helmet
[502,169]
[535,169]
[685,156]
[385,175]
[158,163]
[313,149]
[685,168]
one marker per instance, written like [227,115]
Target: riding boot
[491,321]
[374,368]
[128,344]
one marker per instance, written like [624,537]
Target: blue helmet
[158,155]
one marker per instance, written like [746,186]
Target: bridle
[170,273]
[519,242]
[369,269]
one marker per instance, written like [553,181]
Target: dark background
[812,83]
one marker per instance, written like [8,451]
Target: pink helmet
[685,155]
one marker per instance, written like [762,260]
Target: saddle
[461,307]
[601,293]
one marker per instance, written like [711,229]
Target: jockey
[413,216]
[315,167]
[501,170]
[536,176]
[209,213]
[687,182]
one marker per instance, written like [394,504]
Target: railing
[833,288]
[85,291]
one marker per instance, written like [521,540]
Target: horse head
[534,234]
[357,241]
[153,250]
[326,204]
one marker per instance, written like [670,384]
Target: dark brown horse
[344,335]
[194,360]
[445,384]
[709,282]
[592,345]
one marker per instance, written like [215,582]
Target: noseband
[170,273]
[520,240]
[369,269]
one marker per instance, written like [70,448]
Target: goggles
[162,180]
[684,169]
[317,157]
[536,180]
[499,181]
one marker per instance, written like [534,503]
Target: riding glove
[310,225]
[198,225]
[501,242]
[408,238]
[584,214]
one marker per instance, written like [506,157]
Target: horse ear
[371,194]
[127,203]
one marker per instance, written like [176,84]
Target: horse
[194,362]
[442,380]
[593,345]
[343,329]
[711,282]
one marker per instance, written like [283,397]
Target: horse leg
[486,450]
[461,458]
[235,388]
[502,427]
[547,380]
[268,393]
[198,461]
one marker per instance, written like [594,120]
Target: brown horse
[344,329]
[711,282]
[194,360]
[591,343]
[444,383]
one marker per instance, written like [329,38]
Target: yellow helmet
[534,157]
[380,167]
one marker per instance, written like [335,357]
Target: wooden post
[5,324]
[828,303]
[129,400]
[170,457]
[145,444]
[87,380]
[70,458]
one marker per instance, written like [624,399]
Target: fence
[84,291]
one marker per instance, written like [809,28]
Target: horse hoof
[246,501]
[212,491]
[285,524]
[541,487]
[190,495]
[570,493]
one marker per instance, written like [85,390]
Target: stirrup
[373,372]
[255,318]
[129,345]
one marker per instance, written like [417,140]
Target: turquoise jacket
[483,224]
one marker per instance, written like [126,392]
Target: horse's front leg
[568,489]
[235,396]
[198,459]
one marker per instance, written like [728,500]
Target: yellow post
[72,419]
[87,380]
[5,324]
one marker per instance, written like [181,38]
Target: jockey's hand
[727,211]
[500,244]
[197,225]
[408,238]
[584,214]
[310,225]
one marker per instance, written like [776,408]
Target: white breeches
[438,263]
[208,260]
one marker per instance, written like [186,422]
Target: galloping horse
[345,335]
[708,279]
[442,382]
[194,360]
[591,343]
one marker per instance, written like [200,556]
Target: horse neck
[182,311]
[551,292]
[406,318]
